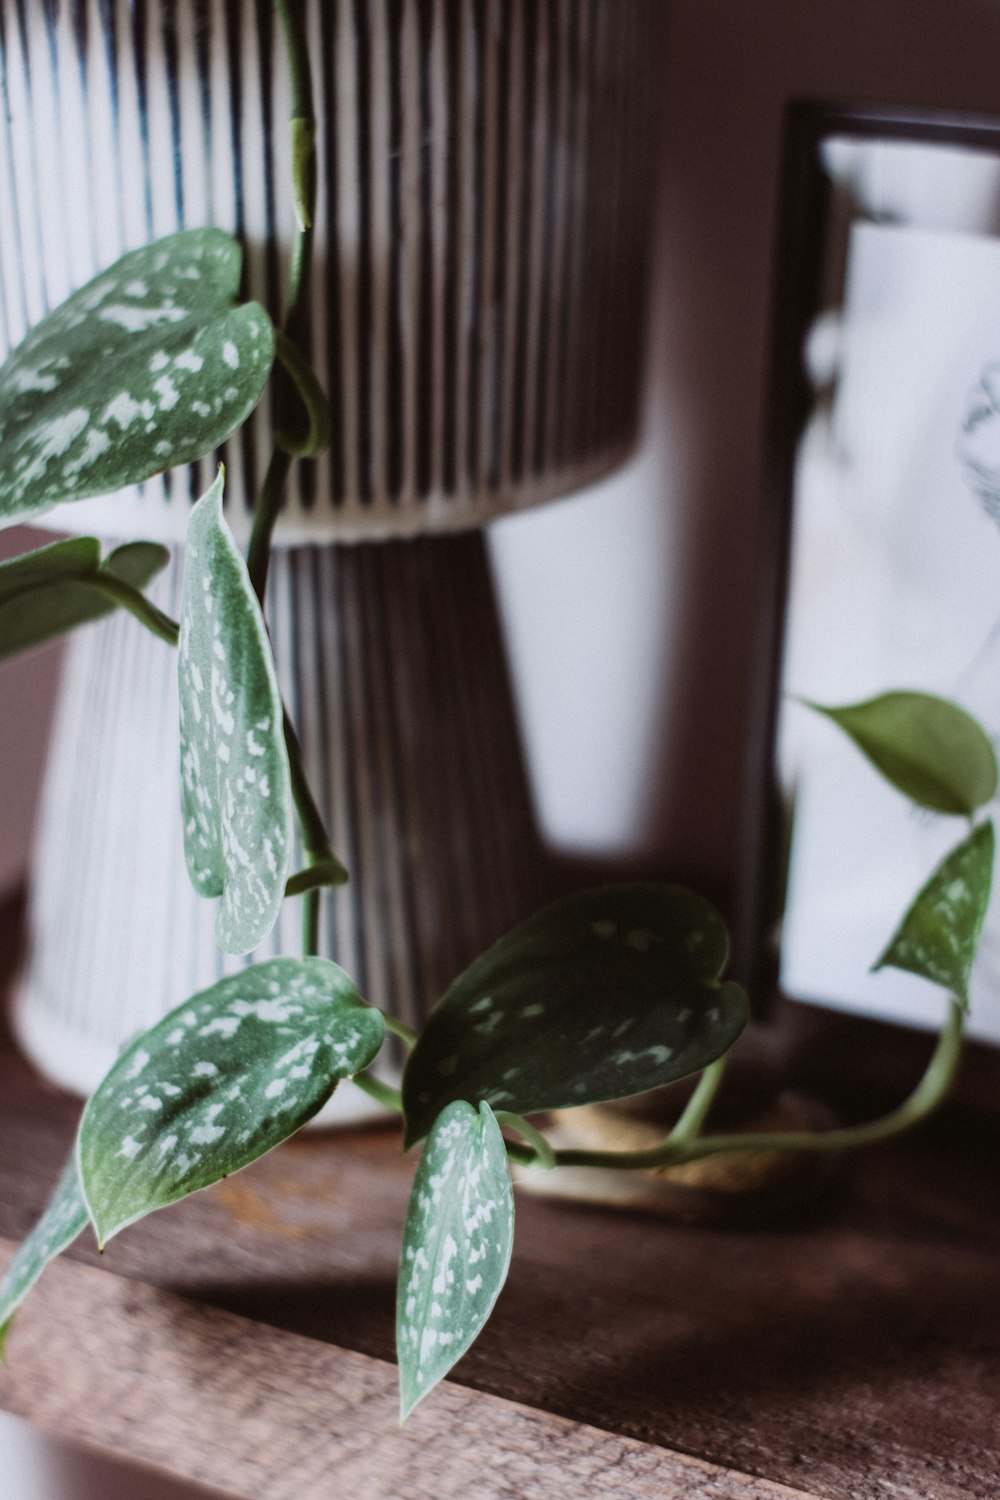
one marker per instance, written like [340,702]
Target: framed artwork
[883,534]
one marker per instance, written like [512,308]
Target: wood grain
[223,1401]
[853,1354]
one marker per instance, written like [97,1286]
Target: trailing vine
[607,994]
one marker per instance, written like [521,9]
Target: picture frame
[881,494]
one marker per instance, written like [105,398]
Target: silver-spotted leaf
[608,993]
[47,592]
[217,1083]
[64,1218]
[149,365]
[236,789]
[928,748]
[456,1247]
[939,935]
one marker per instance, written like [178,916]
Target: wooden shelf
[244,1338]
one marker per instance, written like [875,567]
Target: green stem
[316,437]
[930,1091]
[265,518]
[542,1153]
[399,1028]
[385,1094]
[136,603]
[289,13]
[696,1110]
[315,839]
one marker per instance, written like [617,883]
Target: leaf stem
[265,517]
[384,1092]
[399,1028]
[316,438]
[290,14]
[315,839]
[542,1153]
[137,604]
[696,1110]
[928,1094]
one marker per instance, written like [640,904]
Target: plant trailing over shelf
[607,994]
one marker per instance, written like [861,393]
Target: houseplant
[605,995]
[476,308]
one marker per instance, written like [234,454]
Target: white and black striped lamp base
[479,303]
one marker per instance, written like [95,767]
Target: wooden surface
[244,1338]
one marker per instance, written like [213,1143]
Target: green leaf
[939,935]
[608,993]
[456,1247]
[137,562]
[931,750]
[64,1218]
[45,593]
[222,1079]
[151,364]
[236,789]
[74,557]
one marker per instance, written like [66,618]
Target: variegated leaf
[607,993]
[939,935]
[64,1218]
[217,1083]
[45,593]
[235,777]
[456,1247]
[149,365]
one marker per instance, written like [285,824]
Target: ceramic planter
[479,297]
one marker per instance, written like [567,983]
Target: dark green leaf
[151,364]
[137,562]
[222,1079]
[931,750]
[74,557]
[64,1218]
[45,593]
[608,993]
[456,1247]
[236,788]
[939,935]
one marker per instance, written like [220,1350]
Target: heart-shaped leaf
[939,935]
[931,750]
[456,1247]
[151,364]
[608,993]
[222,1079]
[236,788]
[45,593]
[64,1218]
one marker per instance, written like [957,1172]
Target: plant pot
[482,238]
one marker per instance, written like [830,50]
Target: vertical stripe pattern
[482,229]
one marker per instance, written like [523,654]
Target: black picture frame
[803,260]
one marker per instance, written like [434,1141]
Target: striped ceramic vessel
[482,228]
[480,298]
